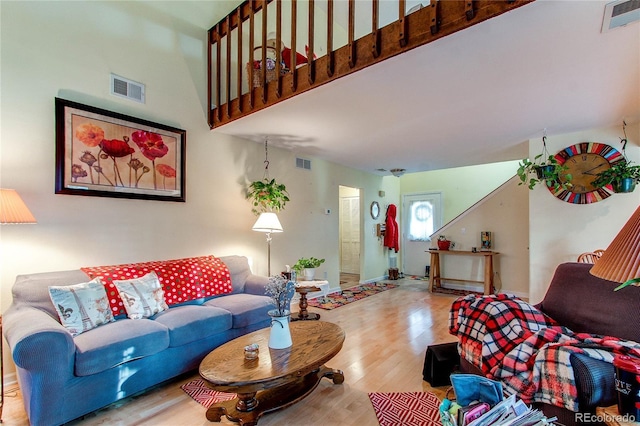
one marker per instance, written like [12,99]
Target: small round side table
[304,314]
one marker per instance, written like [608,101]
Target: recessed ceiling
[474,97]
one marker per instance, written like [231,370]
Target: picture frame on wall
[106,154]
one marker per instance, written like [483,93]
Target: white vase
[309,273]
[280,335]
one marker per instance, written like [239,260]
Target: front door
[422,216]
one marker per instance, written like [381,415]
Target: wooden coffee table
[278,378]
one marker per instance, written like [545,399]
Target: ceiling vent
[125,88]
[620,13]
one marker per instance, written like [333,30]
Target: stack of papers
[510,412]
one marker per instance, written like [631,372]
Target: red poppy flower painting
[109,154]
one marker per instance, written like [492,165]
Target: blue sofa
[63,377]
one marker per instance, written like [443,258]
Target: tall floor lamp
[621,260]
[268,223]
[12,211]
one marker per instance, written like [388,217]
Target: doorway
[422,216]
[350,234]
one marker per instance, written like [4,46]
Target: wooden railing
[351,36]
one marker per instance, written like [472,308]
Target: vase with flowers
[281,291]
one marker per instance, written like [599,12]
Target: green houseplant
[267,196]
[308,265]
[550,171]
[622,176]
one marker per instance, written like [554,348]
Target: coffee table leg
[336,375]
[246,401]
[240,412]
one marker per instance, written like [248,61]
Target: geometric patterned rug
[335,300]
[206,396]
[406,408]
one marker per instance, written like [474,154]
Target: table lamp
[620,262]
[268,223]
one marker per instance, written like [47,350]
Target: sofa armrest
[256,284]
[28,330]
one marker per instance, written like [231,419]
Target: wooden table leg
[488,275]
[434,273]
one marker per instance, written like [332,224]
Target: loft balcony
[332,39]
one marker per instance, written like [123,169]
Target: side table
[304,314]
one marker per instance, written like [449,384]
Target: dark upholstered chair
[585,303]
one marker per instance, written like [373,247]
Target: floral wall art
[102,153]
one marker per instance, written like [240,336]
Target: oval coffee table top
[314,343]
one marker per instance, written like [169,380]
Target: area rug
[406,408]
[335,300]
[206,396]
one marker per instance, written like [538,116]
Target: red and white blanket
[512,341]
[181,279]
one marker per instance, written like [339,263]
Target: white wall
[461,186]
[505,214]
[560,231]
[68,50]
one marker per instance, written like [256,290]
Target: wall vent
[125,88]
[302,163]
[620,13]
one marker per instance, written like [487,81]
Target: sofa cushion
[116,343]
[142,297]
[246,309]
[239,270]
[189,323]
[81,307]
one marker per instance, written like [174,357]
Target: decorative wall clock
[584,161]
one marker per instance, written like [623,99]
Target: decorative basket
[270,65]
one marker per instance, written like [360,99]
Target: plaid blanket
[529,352]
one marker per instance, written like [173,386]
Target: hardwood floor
[387,336]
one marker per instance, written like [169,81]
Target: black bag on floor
[439,362]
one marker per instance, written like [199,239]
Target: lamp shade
[13,209]
[621,260]
[267,222]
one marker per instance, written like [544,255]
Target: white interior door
[422,216]
[350,235]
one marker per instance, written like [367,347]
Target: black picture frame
[102,153]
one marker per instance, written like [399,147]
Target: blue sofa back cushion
[118,342]
[247,309]
[190,323]
[587,304]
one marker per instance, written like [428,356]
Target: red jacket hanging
[391,231]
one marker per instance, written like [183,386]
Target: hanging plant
[622,176]
[267,195]
[544,168]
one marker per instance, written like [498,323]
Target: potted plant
[267,196]
[443,243]
[550,171]
[307,266]
[622,176]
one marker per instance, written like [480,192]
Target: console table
[435,278]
